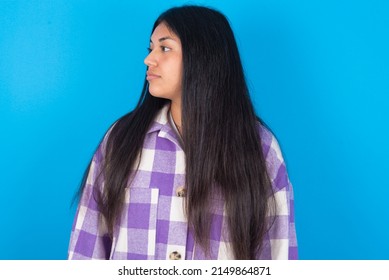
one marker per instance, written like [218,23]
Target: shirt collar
[162,125]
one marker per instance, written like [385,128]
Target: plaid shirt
[153,225]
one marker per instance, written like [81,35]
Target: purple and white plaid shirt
[153,225]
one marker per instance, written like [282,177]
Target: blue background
[318,73]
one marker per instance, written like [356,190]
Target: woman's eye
[165,49]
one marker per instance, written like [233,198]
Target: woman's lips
[151,76]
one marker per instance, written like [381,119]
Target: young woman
[191,172]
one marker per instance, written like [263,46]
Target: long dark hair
[220,131]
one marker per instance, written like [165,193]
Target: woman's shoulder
[269,141]
[274,157]
[266,135]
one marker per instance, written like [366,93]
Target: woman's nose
[150,60]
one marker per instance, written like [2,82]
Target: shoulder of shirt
[160,120]
[269,143]
[265,134]
[274,160]
[268,140]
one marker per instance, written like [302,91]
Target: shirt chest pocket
[136,232]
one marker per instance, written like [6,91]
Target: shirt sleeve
[282,241]
[89,237]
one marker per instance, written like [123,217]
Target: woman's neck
[175,109]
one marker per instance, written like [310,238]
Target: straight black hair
[220,130]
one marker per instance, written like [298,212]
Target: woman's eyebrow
[163,39]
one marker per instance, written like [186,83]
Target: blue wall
[319,76]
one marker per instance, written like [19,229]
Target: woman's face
[164,62]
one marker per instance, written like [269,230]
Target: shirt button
[181,192]
[175,256]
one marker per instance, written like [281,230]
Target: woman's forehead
[163,32]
